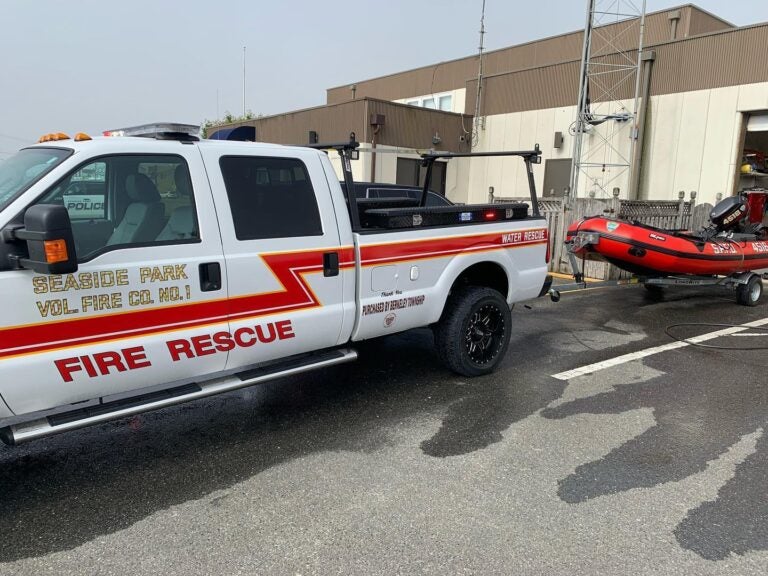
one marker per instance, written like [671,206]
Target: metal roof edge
[322,106]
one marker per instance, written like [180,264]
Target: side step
[82,417]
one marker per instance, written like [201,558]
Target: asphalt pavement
[652,460]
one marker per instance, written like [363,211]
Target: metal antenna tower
[604,130]
[477,121]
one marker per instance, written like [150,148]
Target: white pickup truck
[140,272]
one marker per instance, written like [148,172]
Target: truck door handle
[330,264]
[210,277]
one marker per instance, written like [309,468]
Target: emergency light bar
[159,131]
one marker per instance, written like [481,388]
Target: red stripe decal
[288,269]
[441,247]
[295,294]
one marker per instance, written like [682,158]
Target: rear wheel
[473,334]
[749,294]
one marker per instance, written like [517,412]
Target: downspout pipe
[674,19]
[376,129]
[647,58]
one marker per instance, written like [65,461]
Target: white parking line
[597,366]
[753,334]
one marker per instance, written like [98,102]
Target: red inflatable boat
[735,242]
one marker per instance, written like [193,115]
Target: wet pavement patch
[737,521]
[478,419]
[703,402]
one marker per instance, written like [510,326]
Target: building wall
[522,131]
[452,74]
[702,22]
[728,58]
[694,140]
[692,143]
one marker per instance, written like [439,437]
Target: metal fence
[560,213]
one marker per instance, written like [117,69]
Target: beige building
[706,123]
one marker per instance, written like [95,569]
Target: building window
[440,102]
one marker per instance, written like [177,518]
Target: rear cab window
[270,197]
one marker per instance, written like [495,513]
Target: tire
[473,334]
[654,291]
[749,294]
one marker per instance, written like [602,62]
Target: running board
[99,413]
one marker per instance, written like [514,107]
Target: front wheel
[473,334]
[749,294]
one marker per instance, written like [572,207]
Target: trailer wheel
[654,292]
[473,334]
[749,294]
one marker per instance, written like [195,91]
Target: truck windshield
[24,168]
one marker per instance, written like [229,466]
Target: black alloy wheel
[473,334]
[485,334]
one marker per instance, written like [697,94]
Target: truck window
[270,197]
[85,195]
[123,201]
[24,168]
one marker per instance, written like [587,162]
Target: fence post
[680,209]
[616,203]
[490,194]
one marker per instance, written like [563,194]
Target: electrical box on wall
[558,140]
[377,120]
[313,138]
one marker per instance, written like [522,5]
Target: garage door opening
[753,167]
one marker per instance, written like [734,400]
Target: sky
[93,65]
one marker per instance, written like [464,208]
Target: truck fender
[500,261]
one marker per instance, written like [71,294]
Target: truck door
[150,270]
[283,253]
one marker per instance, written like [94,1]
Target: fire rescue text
[134,358]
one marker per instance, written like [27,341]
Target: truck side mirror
[48,234]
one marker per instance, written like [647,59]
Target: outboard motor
[728,213]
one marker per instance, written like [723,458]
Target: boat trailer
[748,285]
